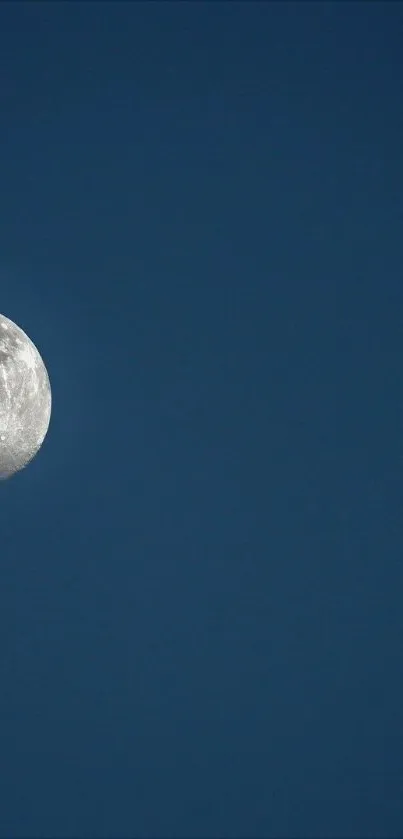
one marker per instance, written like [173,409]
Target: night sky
[201,607]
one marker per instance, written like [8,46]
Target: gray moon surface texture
[25,399]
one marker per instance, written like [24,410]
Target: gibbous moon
[25,399]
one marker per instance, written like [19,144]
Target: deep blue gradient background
[201,573]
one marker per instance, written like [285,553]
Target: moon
[25,399]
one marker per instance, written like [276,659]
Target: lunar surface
[25,399]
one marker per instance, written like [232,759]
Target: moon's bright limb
[25,399]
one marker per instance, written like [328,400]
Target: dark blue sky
[201,572]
